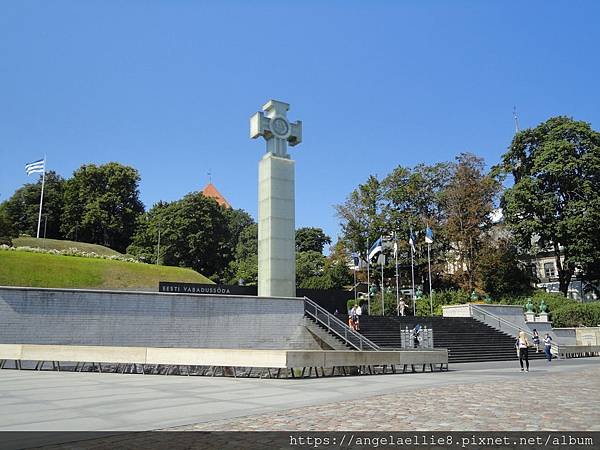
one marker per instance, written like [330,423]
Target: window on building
[549,270]
[533,270]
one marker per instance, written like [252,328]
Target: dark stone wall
[78,317]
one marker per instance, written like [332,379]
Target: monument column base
[276,227]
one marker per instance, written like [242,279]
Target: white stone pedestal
[276,227]
[542,317]
[530,317]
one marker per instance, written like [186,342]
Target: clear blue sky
[169,86]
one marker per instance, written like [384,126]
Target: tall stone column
[276,227]
[276,201]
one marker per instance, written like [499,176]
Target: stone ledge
[220,357]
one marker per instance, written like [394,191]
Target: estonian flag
[35,167]
[412,239]
[377,247]
[356,260]
[428,236]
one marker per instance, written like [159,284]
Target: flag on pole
[36,166]
[412,239]
[377,247]
[428,236]
[395,249]
[356,260]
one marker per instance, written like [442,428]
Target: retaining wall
[146,319]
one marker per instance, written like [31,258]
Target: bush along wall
[576,314]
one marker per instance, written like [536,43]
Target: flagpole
[430,292]
[397,286]
[354,283]
[382,257]
[41,198]
[412,269]
[368,280]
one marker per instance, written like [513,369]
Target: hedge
[577,314]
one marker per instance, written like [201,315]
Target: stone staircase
[466,339]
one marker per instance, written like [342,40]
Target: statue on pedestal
[372,290]
[529,305]
[543,307]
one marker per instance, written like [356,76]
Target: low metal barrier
[412,339]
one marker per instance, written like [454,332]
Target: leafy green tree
[311,239]
[469,202]
[361,216]
[500,271]
[194,233]
[309,265]
[102,205]
[22,208]
[238,221]
[245,264]
[556,192]
[315,271]
[7,231]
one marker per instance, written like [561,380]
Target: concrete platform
[276,359]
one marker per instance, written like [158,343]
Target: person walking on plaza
[536,340]
[548,347]
[522,346]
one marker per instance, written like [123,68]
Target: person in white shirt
[522,346]
[358,314]
[401,306]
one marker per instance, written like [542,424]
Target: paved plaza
[479,396]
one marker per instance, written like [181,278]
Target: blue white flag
[412,240]
[428,236]
[377,247]
[356,260]
[35,167]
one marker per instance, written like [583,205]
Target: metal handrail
[349,336]
[507,323]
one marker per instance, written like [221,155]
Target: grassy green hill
[56,244]
[42,270]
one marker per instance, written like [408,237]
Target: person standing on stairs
[522,345]
[536,340]
[358,314]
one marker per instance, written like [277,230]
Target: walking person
[401,306]
[522,345]
[417,335]
[548,347]
[352,318]
[536,340]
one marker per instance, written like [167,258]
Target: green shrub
[389,303]
[577,314]
[552,300]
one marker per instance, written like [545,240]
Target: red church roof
[211,191]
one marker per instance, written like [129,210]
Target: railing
[337,327]
[503,325]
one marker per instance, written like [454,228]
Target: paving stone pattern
[564,401]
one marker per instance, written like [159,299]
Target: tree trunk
[564,272]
